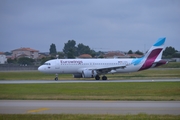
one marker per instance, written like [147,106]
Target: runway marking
[37,110]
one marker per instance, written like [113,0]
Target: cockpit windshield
[46,64]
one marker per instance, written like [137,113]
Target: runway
[88,107]
[82,81]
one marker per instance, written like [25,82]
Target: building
[134,56]
[43,55]
[25,52]
[115,54]
[3,58]
[85,56]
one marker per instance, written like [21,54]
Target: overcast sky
[101,24]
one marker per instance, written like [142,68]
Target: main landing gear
[98,78]
[104,77]
[56,78]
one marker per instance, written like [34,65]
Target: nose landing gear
[56,78]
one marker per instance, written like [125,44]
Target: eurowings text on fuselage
[94,68]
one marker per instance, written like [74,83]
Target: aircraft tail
[153,57]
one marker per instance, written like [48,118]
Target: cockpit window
[46,64]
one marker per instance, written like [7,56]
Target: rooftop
[26,49]
[1,53]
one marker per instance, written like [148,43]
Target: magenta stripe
[151,58]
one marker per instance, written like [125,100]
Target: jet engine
[89,73]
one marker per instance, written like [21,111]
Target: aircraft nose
[40,68]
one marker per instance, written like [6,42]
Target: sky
[105,25]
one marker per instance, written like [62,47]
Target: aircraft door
[57,66]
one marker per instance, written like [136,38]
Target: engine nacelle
[77,75]
[89,73]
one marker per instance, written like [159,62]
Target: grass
[162,91]
[171,65]
[34,75]
[87,117]
[147,74]
[93,91]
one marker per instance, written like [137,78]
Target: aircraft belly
[128,69]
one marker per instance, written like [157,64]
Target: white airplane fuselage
[93,68]
[74,66]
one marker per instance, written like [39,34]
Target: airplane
[94,68]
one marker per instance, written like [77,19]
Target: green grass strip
[147,74]
[86,117]
[171,65]
[161,91]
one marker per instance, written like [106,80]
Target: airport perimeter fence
[14,67]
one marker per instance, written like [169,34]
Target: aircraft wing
[105,70]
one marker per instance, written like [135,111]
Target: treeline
[22,61]
[71,50]
[170,52]
[137,52]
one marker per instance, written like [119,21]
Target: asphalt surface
[82,81]
[88,107]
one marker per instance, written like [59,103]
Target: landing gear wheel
[56,78]
[104,78]
[97,77]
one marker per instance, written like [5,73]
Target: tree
[169,51]
[9,60]
[52,49]
[26,61]
[176,55]
[70,49]
[8,53]
[93,53]
[60,55]
[71,53]
[139,52]
[130,52]
[100,54]
[83,49]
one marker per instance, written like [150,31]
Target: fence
[14,67]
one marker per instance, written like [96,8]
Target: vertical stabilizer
[154,54]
